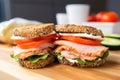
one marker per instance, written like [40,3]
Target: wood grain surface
[11,70]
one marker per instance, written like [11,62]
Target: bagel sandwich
[34,45]
[80,45]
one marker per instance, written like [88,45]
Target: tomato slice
[82,40]
[22,41]
[33,44]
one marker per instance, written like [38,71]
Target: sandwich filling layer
[24,53]
[34,49]
[72,51]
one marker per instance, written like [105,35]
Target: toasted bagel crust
[96,64]
[72,28]
[37,65]
[34,30]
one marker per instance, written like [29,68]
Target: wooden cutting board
[12,70]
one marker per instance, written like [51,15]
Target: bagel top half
[34,30]
[72,28]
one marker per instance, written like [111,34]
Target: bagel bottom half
[96,63]
[36,65]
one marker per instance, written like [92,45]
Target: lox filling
[33,49]
[83,50]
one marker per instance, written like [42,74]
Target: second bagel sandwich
[80,46]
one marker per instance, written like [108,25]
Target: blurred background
[45,10]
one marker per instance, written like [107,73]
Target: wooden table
[10,70]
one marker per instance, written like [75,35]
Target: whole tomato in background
[92,18]
[99,16]
[106,16]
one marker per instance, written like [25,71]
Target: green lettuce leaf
[84,62]
[59,56]
[89,62]
[80,61]
[105,55]
[34,59]
[15,58]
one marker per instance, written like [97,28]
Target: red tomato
[92,18]
[82,40]
[107,17]
[52,36]
[99,16]
[33,44]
